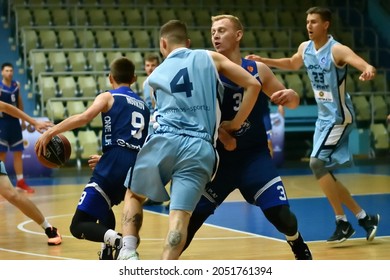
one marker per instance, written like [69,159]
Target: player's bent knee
[283,219]
[75,231]
[318,168]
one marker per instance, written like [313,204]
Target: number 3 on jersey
[181,83]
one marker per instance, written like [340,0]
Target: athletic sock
[341,218]
[130,242]
[361,215]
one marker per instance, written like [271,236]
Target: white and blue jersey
[249,167]
[336,117]
[185,86]
[10,129]
[125,128]
[10,95]
[252,134]
[122,128]
[329,83]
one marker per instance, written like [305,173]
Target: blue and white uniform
[267,122]
[182,148]
[125,128]
[336,117]
[11,137]
[249,167]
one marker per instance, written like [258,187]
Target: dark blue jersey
[126,123]
[252,134]
[10,95]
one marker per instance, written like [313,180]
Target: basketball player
[125,117]
[150,63]
[326,63]
[185,86]
[11,137]
[12,195]
[245,160]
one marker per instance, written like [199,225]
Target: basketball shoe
[54,236]
[106,253]
[21,184]
[370,224]
[110,252]
[300,249]
[126,254]
[343,231]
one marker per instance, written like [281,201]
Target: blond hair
[235,20]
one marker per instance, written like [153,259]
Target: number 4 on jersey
[185,85]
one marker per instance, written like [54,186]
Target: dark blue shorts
[106,186]
[254,174]
[11,137]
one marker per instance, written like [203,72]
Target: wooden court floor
[21,239]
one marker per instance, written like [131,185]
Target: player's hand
[368,74]
[93,160]
[254,57]
[229,142]
[286,97]
[43,126]
[229,126]
[40,145]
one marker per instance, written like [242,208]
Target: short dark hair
[152,56]
[325,13]
[6,64]
[122,70]
[174,31]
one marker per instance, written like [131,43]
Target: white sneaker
[126,254]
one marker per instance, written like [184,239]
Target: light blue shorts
[330,144]
[188,161]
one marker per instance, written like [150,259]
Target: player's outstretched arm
[345,55]
[40,126]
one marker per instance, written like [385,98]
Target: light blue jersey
[182,85]
[147,97]
[329,83]
[336,116]
[182,148]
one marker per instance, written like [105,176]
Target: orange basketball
[58,151]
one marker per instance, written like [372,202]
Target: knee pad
[76,225]
[75,230]
[283,219]
[318,168]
